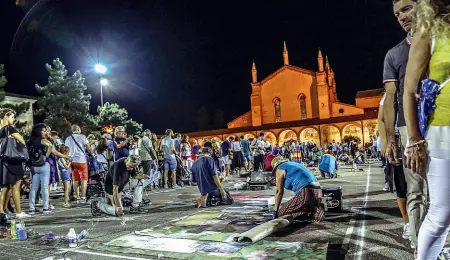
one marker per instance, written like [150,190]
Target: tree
[112,115]
[219,121]
[63,101]
[18,108]
[202,118]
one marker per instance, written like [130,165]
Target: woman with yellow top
[428,149]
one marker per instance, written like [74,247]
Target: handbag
[12,150]
[427,102]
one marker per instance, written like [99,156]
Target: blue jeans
[41,177]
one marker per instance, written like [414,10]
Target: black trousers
[396,173]
[258,162]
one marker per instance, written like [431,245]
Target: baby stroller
[97,174]
[183,173]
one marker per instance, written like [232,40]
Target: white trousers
[435,227]
[108,206]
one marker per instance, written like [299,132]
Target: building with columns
[301,104]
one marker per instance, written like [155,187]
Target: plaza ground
[370,228]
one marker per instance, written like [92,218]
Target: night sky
[166,59]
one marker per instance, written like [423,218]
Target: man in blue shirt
[245,144]
[204,173]
[121,144]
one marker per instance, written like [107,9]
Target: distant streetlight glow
[103,82]
[100,68]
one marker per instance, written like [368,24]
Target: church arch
[218,139]
[370,131]
[287,135]
[302,103]
[350,131]
[250,136]
[330,133]
[310,135]
[270,136]
[277,109]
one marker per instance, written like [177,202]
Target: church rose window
[303,114]
[276,103]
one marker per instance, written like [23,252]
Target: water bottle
[21,231]
[82,235]
[72,237]
[13,230]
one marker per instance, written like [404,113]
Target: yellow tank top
[440,72]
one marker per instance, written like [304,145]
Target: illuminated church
[301,104]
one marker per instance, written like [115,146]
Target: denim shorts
[247,158]
[170,164]
[66,175]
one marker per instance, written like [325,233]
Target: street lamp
[103,83]
[100,68]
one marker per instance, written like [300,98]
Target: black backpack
[37,158]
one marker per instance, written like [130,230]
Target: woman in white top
[186,151]
[238,158]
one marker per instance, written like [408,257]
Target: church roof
[290,67]
[370,93]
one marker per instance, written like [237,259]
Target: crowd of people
[412,142]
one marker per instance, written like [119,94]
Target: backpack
[37,158]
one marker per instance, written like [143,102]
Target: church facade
[301,104]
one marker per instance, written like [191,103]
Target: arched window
[303,113]
[276,104]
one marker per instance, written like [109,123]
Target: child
[66,175]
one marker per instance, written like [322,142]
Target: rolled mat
[260,232]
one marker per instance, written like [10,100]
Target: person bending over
[118,176]
[328,165]
[308,193]
[204,173]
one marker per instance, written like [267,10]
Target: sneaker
[137,210]
[406,231]
[95,210]
[22,215]
[146,202]
[386,187]
[166,187]
[51,207]
[84,201]
[444,255]
[47,211]
[31,212]
[175,187]
[66,205]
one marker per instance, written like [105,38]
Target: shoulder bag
[12,150]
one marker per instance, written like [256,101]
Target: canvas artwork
[212,235]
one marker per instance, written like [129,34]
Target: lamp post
[103,83]
[101,69]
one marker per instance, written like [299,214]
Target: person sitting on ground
[118,176]
[328,165]
[205,174]
[306,204]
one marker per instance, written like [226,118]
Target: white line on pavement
[356,211]
[362,230]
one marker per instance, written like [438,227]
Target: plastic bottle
[72,237]
[13,230]
[82,235]
[21,231]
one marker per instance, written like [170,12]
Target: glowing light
[103,82]
[100,68]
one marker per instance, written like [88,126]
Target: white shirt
[78,155]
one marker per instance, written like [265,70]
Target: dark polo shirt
[394,71]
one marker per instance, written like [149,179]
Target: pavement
[369,228]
